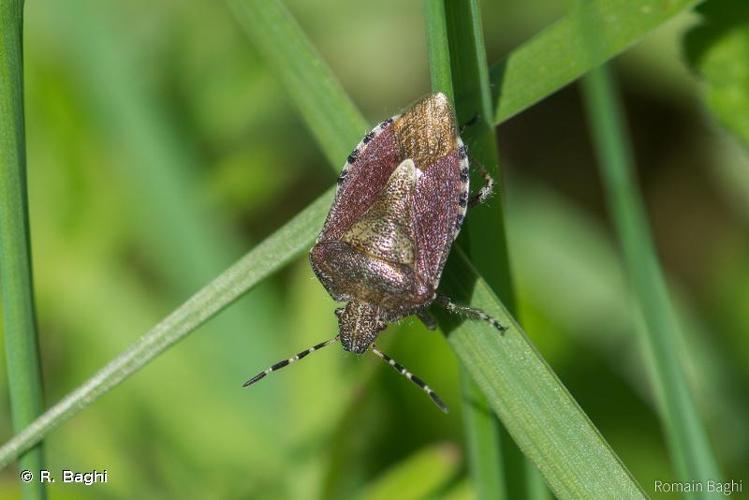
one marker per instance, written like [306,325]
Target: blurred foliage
[718,49]
[337,426]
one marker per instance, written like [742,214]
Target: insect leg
[427,319]
[410,376]
[285,362]
[473,121]
[469,312]
[486,190]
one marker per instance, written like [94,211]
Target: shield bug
[402,197]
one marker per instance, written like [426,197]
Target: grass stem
[21,344]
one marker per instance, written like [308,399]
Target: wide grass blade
[16,284]
[559,54]
[535,407]
[687,440]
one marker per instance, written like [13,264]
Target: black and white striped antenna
[410,376]
[286,362]
[387,359]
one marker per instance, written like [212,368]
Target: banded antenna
[413,378]
[286,362]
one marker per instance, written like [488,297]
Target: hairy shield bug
[402,197]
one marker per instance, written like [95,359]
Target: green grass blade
[482,433]
[488,249]
[484,234]
[438,49]
[485,460]
[19,323]
[420,475]
[266,258]
[688,442]
[190,242]
[535,407]
[558,55]
[330,115]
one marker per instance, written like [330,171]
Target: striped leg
[469,312]
[410,376]
[486,190]
[286,362]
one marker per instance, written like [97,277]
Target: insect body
[401,200]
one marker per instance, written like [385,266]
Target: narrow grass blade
[482,433]
[473,106]
[484,237]
[16,284]
[438,49]
[485,460]
[558,55]
[327,109]
[688,442]
[266,258]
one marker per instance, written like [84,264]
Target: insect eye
[339,311]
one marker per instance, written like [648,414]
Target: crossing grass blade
[263,260]
[16,285]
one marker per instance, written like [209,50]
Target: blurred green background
[160,149]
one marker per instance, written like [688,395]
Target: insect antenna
[285,362]
[413,378]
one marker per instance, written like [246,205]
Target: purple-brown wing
[366,172]
[439,208]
